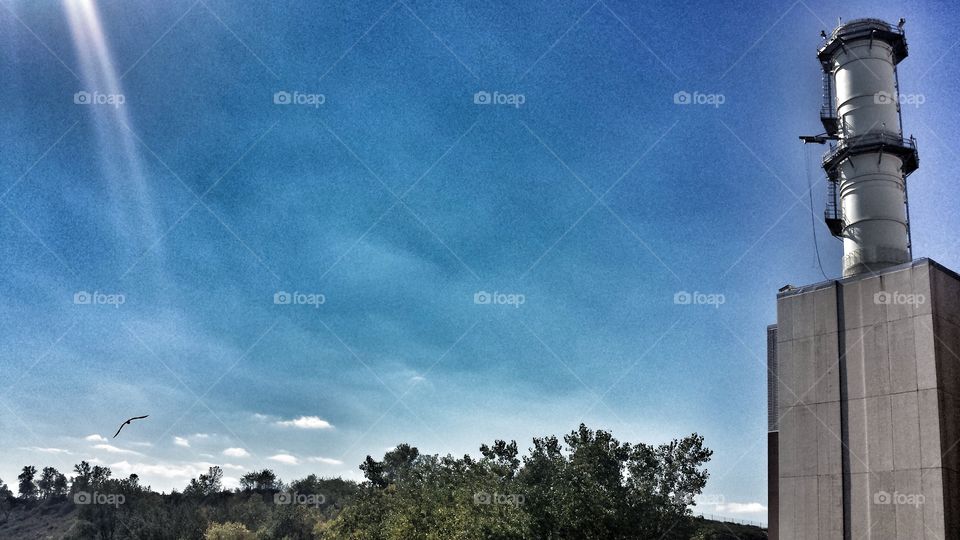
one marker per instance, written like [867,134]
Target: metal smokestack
[868,165]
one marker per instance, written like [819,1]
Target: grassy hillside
[40,520]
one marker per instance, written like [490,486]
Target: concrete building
[864,370]
[773,433]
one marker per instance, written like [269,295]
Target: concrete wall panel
[829,442]
[926,347]
[908,503]
[826,370]
[933,510]
[830,499]
[902,351]
[905,411]
[929,407]
[860,308]
[825,311]
[950,430]
[871,435]
[854,357]
[945,295]
[876,362]
[899,286]
[947,349]
[803,314]
[804,374]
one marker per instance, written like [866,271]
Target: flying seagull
[127,422]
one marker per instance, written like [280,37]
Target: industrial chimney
[864,388]
[868,165]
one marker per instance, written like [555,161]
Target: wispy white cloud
[163,470]
[46,450]
[325,460]
[286,459]
[95,438]
[115,450]
[181,441]
[168,470]
[236,452]
[741,508]
[306,422]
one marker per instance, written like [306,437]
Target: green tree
[206,484]
[590,486]
[27,488]
[265,480]
[52,483]
[6,501]
[60,485]
[99,476]
[228,531]
[290,522]
[82,475]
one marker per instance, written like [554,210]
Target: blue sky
[396,201]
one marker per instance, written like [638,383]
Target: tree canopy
[589,486]
[583,485]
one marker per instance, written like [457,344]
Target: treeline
[587,486]
[123,508]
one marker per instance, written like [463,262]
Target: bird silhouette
[127,422]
